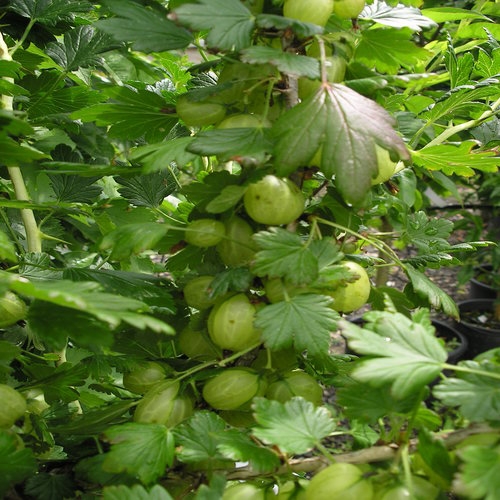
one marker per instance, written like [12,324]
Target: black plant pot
[481,335]
[479,288]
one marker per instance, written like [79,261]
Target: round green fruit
[204,232]
[339,480]
[243,491]
[144,377]
[237,247]
[348,9]
[243,120]
[196,345]
[273,201]
[352,295]
[386,167]
[310,11]
[293,384]
[233,388]
[199,113]
[12,309]
[197,293]
[230,324]
[163,405]
[254,6]
[422,490]
[12,406]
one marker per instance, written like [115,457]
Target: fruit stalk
[33,237]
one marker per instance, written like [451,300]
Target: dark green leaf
[16,463]
[477,395]
[303,30]
[79,48]
[345,127]
[75,189]
[136,492]
[132,114]
[479,477]
[295,427]
[229,22]
[141,450]
[187,435]
[436,297]
[286,62]
[241,448]
[49,12]
[45,486]
[148,30]
[146,190]
[237,279]
[228,197]
[202,193]
[389,50]
[14,153]
[305,321]
[436,457]
[402,352]
[284,254]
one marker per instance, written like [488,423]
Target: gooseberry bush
[198,199]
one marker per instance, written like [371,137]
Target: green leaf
[241,448]
[130,239]
[238,279]
[286,62]
[141,450]
[86,297]
[16,463]
[295,427]
[14,153]
[428,290]
[284,254]
[402,352]
[366,403]
[45,486]
[425,233]
[443,14]
[280,23]
[233,143]
[305,321]
[479,477]
[229,22]
[346,126]
[477,395]
[456,159]
[399,16]
[49,12]
[79,48]
[147,29]
[146,190]
[136,492]
[75,189]
[160,156]
[389,49]
[187,436]
[132,114]
[488,65]
[228,197]
[436,458]
[7,248]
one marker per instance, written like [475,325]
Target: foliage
[107,197]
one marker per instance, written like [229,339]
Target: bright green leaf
[304,321]
[229,22]
[227,198]
[443,14]
[402,352]
[296,426]
[149,31]
[456,159]
[141,450]
[389,50]
[146,190]
[399,16]
[14,153]
[136,492]
[7,248]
